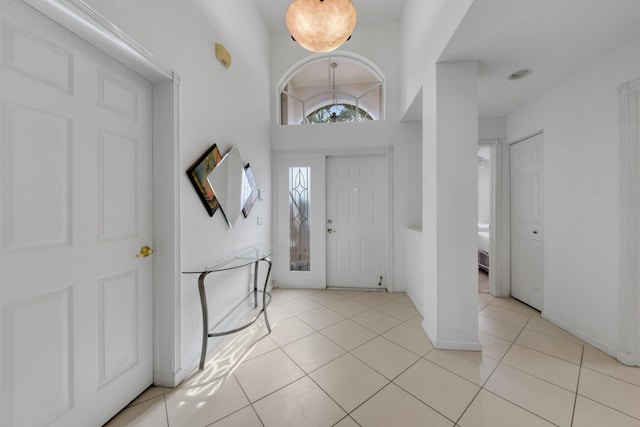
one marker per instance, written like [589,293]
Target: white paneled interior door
[76,315]
[527,222]
[357,221]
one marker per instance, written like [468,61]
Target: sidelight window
[299,231]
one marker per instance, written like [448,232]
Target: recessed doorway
[485,211]
[333,220]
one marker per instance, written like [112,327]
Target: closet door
[527,222]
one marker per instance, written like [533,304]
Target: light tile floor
[348,358]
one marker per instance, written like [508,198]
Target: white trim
[450,345]
[91,26]
[524,138]
[391,287]
[88,24]
[628,351]
[367,151]
[578,333]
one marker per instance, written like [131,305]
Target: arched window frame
[288,75]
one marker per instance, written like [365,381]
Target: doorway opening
[485,166]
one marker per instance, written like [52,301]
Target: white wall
[492,128]
[413,262]
[449,316]
[580,120]
[379,44]
[450,220]
[217,105]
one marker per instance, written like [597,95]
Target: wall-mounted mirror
[227,180]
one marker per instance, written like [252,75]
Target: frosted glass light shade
[321,25]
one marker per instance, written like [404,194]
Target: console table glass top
[244,257]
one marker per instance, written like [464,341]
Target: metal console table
[246,257]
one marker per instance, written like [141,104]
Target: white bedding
[483,241]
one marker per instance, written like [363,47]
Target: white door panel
[357,221]
[75,208]
[527,222]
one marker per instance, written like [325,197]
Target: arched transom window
[330,89]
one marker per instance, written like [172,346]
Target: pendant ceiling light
[321,25]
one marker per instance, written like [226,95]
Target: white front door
[357,221]
[76,315]
[527,222]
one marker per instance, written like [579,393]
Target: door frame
[628,351]
[495,261]
[88,24]
[388,153]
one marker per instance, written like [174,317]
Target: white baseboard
[579,334]
[417,304]
[457,345]
[450,345]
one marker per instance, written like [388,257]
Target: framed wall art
[198,173]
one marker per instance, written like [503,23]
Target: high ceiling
[555,38]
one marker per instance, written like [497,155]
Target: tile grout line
[423,357]
[245,395]
[416,397]
[593,400]
[575,398]
[525,372]
[392,381]
[457,422]
[279,347]
[307,374]
[348,413]
[513,367]
[166,409]
[518,406]
[611,376]
[610,407]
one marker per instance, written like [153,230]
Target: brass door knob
[331,230]
[145,251]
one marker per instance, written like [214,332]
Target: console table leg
[255,285]
[205,319]
[264,295]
